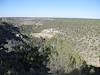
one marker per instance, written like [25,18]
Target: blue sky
[50,8]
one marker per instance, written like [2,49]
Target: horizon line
[48,17]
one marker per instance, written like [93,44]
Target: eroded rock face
[47,33]
[43,35]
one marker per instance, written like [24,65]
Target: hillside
[65,46]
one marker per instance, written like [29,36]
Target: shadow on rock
[17,55]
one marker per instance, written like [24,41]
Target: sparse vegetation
[69,52]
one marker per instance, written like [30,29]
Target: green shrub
[62,58]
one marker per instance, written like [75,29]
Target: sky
[50,8]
